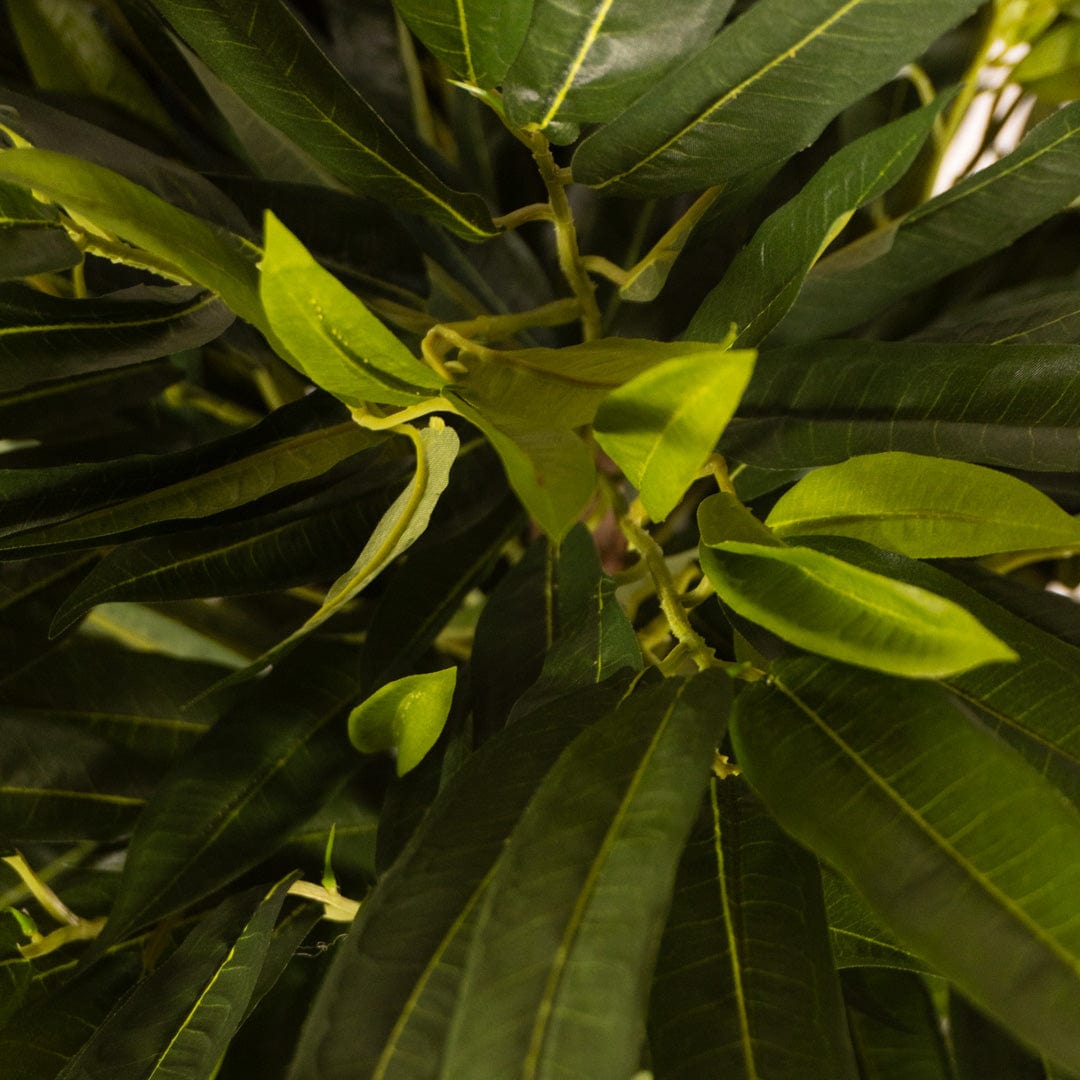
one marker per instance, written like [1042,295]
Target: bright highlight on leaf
[661,426]
[925,507]
[406,716]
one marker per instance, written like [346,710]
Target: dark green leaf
[983,1049]
[999,405]
[953,840]
[267,57]
[744,985]
[763,89]
[982,214]
[32,240]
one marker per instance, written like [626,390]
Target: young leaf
[476,39]
[557,974]
[584,64]
[765,277]
[660,427]
[328,332]
[832,608]
[406,716]
[760,91]
[744,984]
[266,56]
[953,840]
[723,517]
[982,214]
[924,507]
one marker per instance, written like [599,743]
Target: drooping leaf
[998,405]
[744,985]
[982,214]
[660,427]
[32,240]
[557,974]
[385,1006]
[952,839]
[267,57]
[924,507]
[760,91]
[406,716]
[838,610]
[765,277]
[45,337]
[476,39]
[586,63]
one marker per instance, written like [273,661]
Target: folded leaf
[760,91]
[832,608]
[953,840]
[925,507]
[660,427]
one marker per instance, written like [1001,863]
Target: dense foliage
[525,533]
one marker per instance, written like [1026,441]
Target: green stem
[41,892]
[525,214]
[403,416]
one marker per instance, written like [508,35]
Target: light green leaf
[180,1019]
[556,979]
[1052,69]
[832,608]
[723,517]
[328,332]
[982,214]
[406,716]
[476,39]
[761,90]
[952,839]
[765,277]
[584,63]
[745,985]
[925,507]
[263,52]
[660,427]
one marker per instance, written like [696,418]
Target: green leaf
[384,1008]
[952,839]
[983,1049]
[723,517]
[982,214]
[180,1019]
[1052,68]
[925,507]
[267,57]
[328,332]
[832,608]
[557,974]
[744,985]
[46,337]
[406,716]
[584,64]
[475,39]
[765,277]
[660,427]
[32,240]
[1012,406]
[267,765]
[760,91]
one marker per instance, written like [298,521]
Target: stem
[533,212]
[597,264]
[498,327]
[41,892]
[566,244]
[403,416]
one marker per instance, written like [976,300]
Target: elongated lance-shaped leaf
[835,609]
[1032,703]
[1012,406]
[109,203]
[328,332]
[267,57]
[266,766]
[32,240]
[982,1048]
[558,969]
[180,1019]
[385,1006]
[982,214]
[925,507]
[744,985]
[476,39]
[762,89]
[952,839]
[291,461]
[585,63]
[47,337]
[765,277]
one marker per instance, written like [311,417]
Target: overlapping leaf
[32,240]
